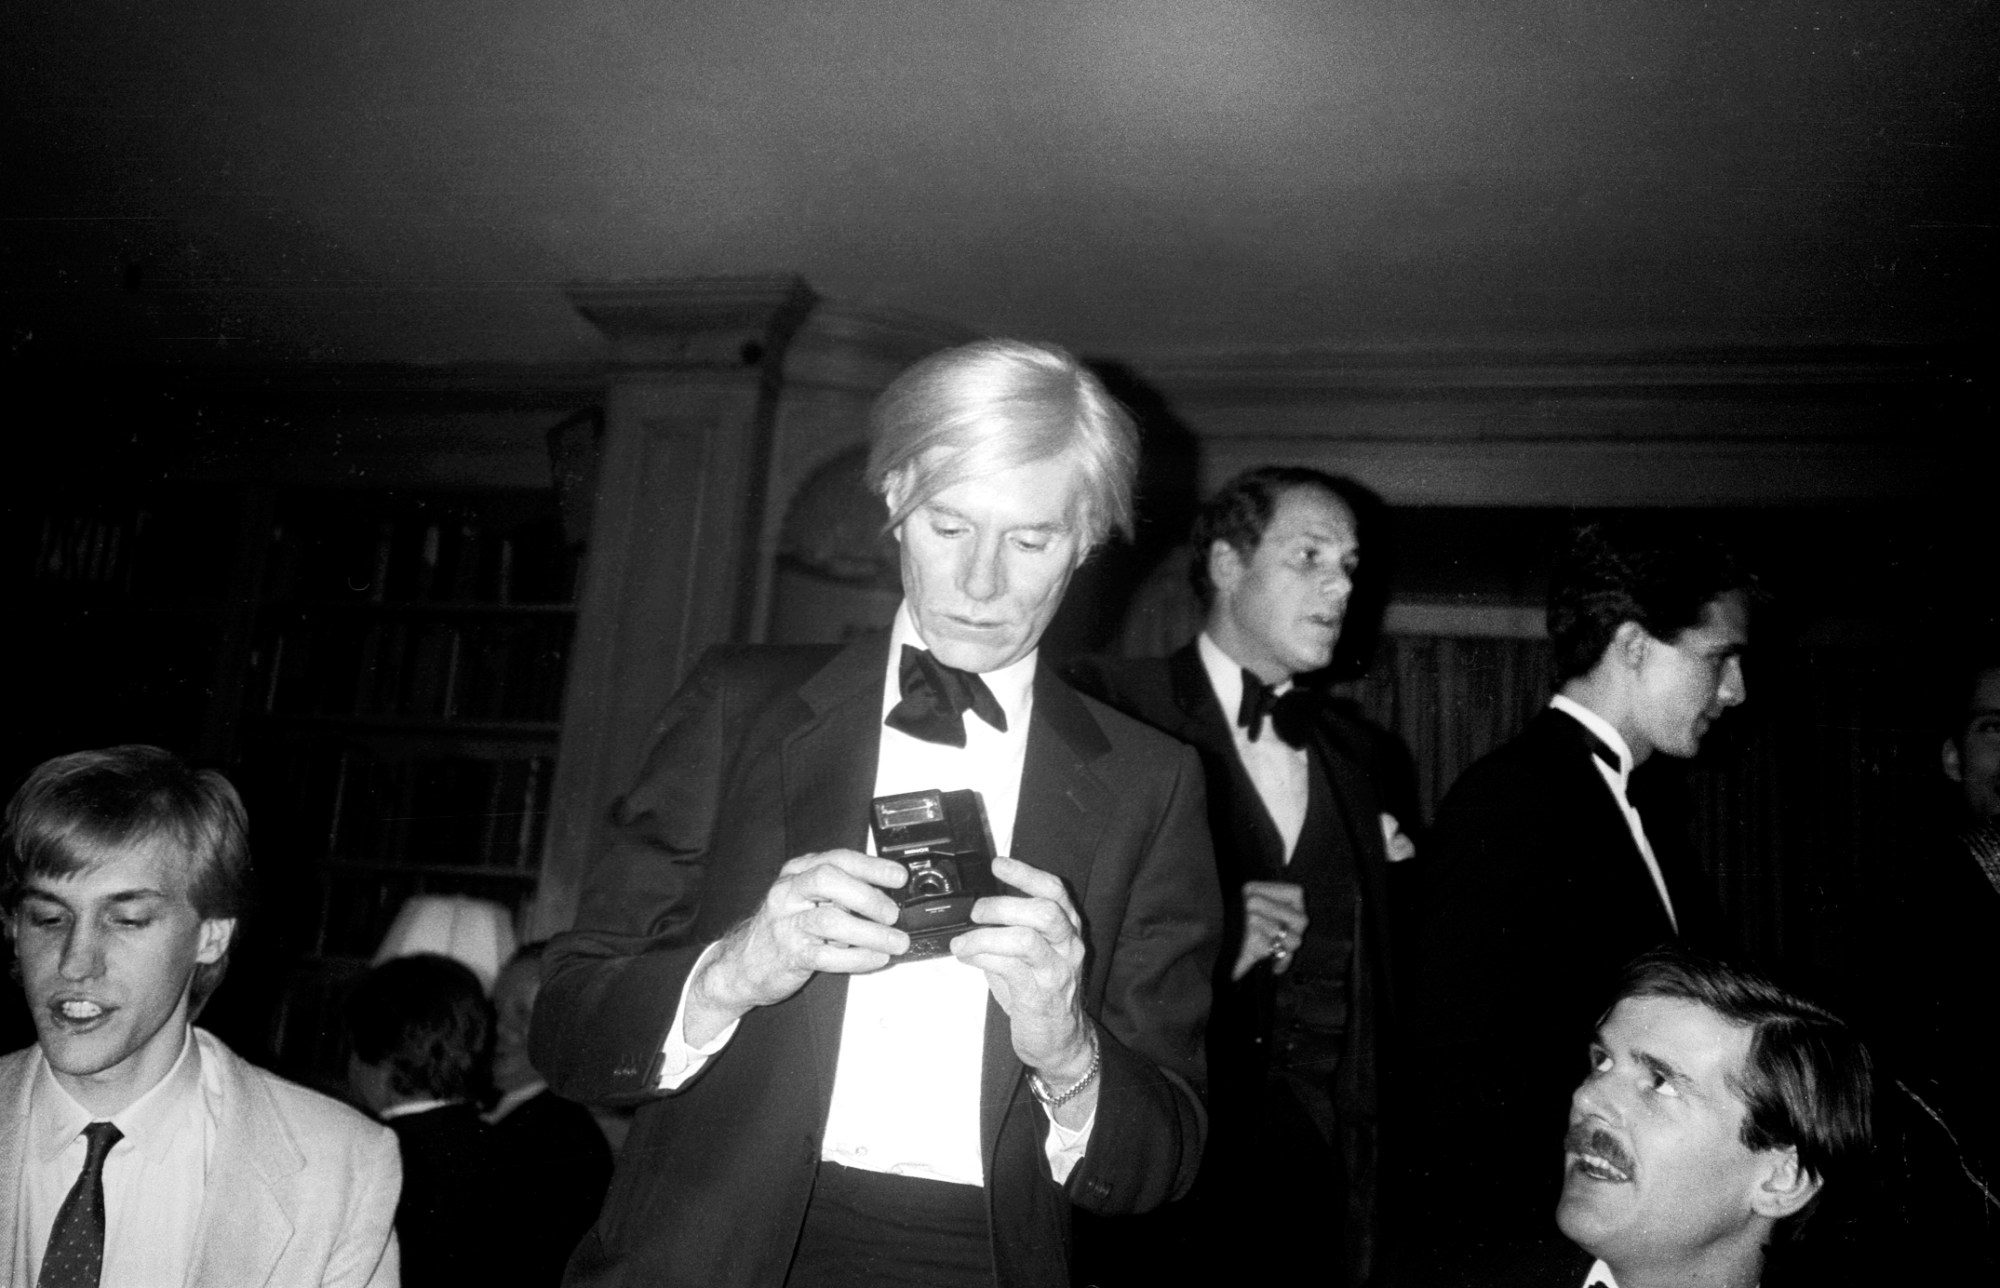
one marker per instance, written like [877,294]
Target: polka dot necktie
[75,1258]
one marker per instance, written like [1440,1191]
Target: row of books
[95,548]
[417,558]
[473,669]
[446,811]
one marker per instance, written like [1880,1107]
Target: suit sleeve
[610,986]
[366,1254]
[1147,1138]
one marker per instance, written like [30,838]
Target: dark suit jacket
[1174,695]
[1535,897]
[459,1217]
[766,754]
[562,1163]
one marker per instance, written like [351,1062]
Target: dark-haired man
[135,1148]
[1301,839]
[1544,874]
[816,1110]
[1716,1110]
[420,1030]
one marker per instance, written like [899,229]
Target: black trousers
[870,1228]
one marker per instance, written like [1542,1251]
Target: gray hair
[993,405]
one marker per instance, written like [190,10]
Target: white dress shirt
[920,1024]
[154,1177]
[1277,770]
[1600,1276]
[1617,780]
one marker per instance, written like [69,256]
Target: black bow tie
[1291,714]
[936,698]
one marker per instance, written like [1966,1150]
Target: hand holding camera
[832,911]
[1012,921]
[1031,947]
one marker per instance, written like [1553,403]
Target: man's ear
[1954,768]
[1784,1187]
[1629,645]
[1225,566]
[215,937]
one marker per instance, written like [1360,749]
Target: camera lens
[928,884]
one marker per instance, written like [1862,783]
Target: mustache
[1583,1138]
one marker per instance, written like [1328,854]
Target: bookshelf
[404,699]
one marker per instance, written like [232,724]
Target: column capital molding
[698,323]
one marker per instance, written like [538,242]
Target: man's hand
[1031,948]
[1274,923]
[825,912]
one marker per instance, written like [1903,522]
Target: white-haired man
[812,1115]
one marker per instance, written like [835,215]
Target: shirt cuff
[1064,1147]
[678,1060]
[1398,845]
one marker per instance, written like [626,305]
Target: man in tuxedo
[1715,1111]
[824,1100]
[1546,871]
[1301,837]
[135,1148]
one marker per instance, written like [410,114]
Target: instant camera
[941,838]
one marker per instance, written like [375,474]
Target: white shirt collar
[1011,684]
[409,1107]
[1598,725]
[514,1099]
[60,1118]
[1600,1274]
[1225,675]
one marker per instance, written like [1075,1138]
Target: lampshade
[478,932]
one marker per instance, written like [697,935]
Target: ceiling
[417,181]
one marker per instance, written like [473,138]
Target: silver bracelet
[1054,1102]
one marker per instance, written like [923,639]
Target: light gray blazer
[301,1189]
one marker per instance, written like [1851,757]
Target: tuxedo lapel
[1062,813]
[1618,871]
[1246,835]
[828,765]
[1345,789]
[1203,722]
[1063,803]
[829,757]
